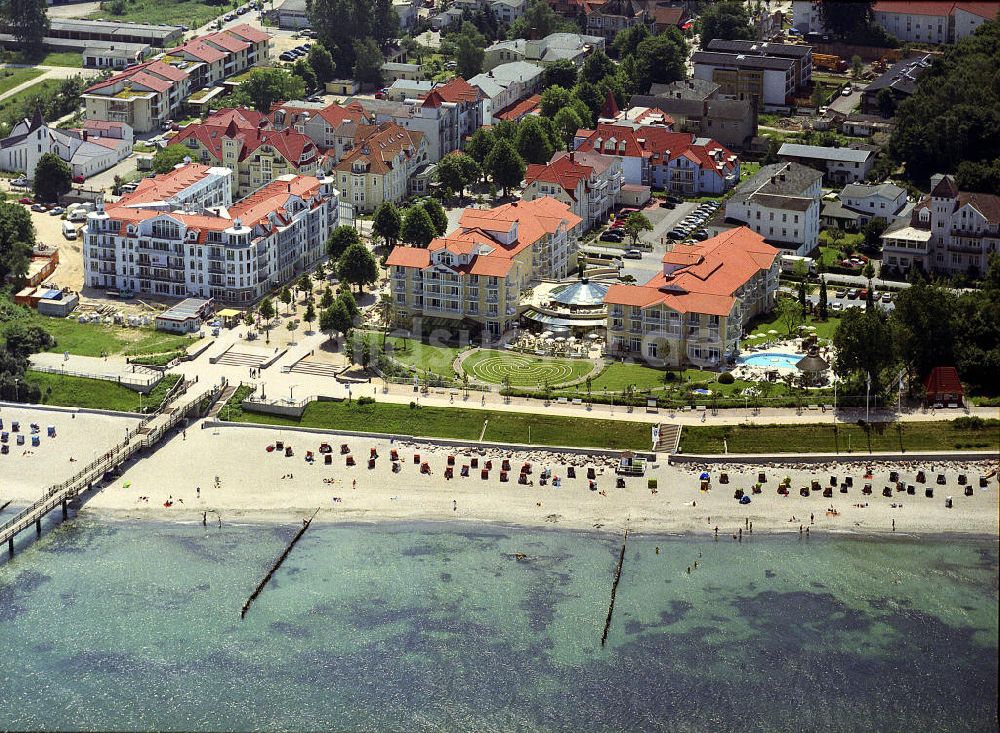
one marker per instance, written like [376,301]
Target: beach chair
[887,492]
[542,481]
[425,467]
[325,448]
[815,485]
[962,479]
[504,477]
[911,490]
[570,472]
[416,459]
[756,489]
[592,485]
[850,481]
[620,482]
[941,479]
[983,482]
[704,486]
[929,493]
[371,463]
[474,462]
[488,465]
[52,431]
[591,473]
[867,490]
[921,477]
[894,476]
[350,460]
[723,478]
[783,490]
[289,452]
[328,459]
[762,478]
[396,467]
[738,494]
[4,449]
[828,492]
[451,460]
[344,449]
[505,465]
[484,474]
[15,426]
[310,456]
[279,445]
[833,480]
[526,468]
[449,473]
[804,491]
[4,436]
[900,486]
[394,455]
[843,488]
[968,490]
[523,479]
[464,471]
[373,453]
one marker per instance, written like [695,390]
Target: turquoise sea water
[402,627]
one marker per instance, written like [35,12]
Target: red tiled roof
[248,33]
[377,147]
[656,143]
[517,110]
[408,257]
[165,185]
[244,125]
[940,9]
[702,278]
[225,41]
[458,90]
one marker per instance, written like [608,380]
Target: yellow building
[244,141]
[694,312]
[380,165]
[474,277]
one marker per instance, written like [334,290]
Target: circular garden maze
[523,370]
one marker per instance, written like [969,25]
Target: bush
[726,378]
[366,400]
[413,405]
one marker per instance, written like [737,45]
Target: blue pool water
[775,361]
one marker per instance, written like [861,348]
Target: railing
[123,379]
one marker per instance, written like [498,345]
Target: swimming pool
[773,360]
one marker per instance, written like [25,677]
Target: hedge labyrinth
[523,370]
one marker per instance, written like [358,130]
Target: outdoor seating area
[558,342]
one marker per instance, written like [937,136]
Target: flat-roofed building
[800,55]
[695,311]
[768,81]
[160,36]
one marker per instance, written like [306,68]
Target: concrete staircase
[317,368]
[670,439]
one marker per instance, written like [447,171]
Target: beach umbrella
[593,336]
[704,476]
[560,339]
[772,332]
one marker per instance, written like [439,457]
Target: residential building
[469,103]
[733,122]
[332,127]
[519,110]
[666,15]
[290,15]
[435,119]
[949,231]
[244,141]
[781,202]
[923,21]
[698,89]
[607,19]
[507,11]
[839,165]
[474,276]
[506,84]
[403,89]
[900,80]
[450,17]
[768,81]
[144,97]
[589,183]
[695,311]
[180,235]
[807,16]
[554,47]
[653,155]
[380,165]
[95,148]
[800,55]
[78,29]
[859,203]
[211,58]
[407,13]
[103,55]
[395,71]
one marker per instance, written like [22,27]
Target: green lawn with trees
[958,434]
[97,394]
[415,354]
[12,77]
[192,13]
[462,424]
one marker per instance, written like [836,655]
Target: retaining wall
[841,458]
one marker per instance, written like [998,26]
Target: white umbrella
[561,339]
[549,340]
[772,332]
[593,336]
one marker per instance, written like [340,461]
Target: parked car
[22,182]
[78,179]
[675,199]
[853,293]
[847,91]
[26,200]
[701,235]
[39,207]
[886,297]
[68,230]
[676,234]
[632,254]
[56,210]
[842,293]
[668,204]
[229,16]
[610,236]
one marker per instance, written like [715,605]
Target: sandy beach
[228,471]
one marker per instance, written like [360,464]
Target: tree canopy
[17,238]
[505,166]
[456,171]
[27,21]
[562,73]
[418,228]
[340,23]
[166,159]
[322,63]
[340,239]
[387,223]
[268,85]
[729,21]
[535,141]
[357,266]
[437,214]
[368,61]
[53,177]
[661,59]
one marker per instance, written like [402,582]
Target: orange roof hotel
[474,276]
[694,312]
[179,235]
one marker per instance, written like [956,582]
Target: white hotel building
[180,235]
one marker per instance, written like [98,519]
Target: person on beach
[454,505]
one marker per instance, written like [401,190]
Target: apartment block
[474,276]
[801,56]
[695,311]
[589,183]
[380,165]
[213,57]
[768,81]
[332,127]
[180,235]
[143,97]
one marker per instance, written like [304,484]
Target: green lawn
[180,12]
[464,424]
[10,106]
[824,438]
[10,78]
[524,370]
[91,339]
[618,376]
[748,169]
[769,322]
[54,58]
[99,394]
[417,355]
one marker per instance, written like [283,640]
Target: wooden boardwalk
[147,434]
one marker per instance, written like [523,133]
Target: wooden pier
[614,588]
[149,432]
[277,564]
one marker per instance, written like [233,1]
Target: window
[651,350]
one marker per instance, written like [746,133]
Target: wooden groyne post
[277,564]
[614,588]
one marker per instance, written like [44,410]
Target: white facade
[872,202]
[807,16]
[162,241]
[915,27]
[506,84]
[966,22]
[86,152]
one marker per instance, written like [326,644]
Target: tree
[857,67]
[347,298]
[310,315]
[267,85]
[886,101]
[561,73]
[387,223]
[304,285]
[326,300]
[873,232]
[340,239]
[728,21]
[285,297]
[322,63]
[168,158]
[28,22]
[470,48]
[304,71]
[864,345]
[340,23]
[567,121]
[924,327]
[627,40]
[818,97]
[336,319]
[980,176]
[553,99]
[480,145]
[437,214]
[23,340]
[661,59]
[790,314]
[845,18]
[456,171]
[266,310]
[386,309]
[505,166]
[597,67]
[538,21]
[53,177]
[635,225]
[823,306]
[418,228]
[17,239]
[357,266]
[803,300]
[368,60]
[533,141]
